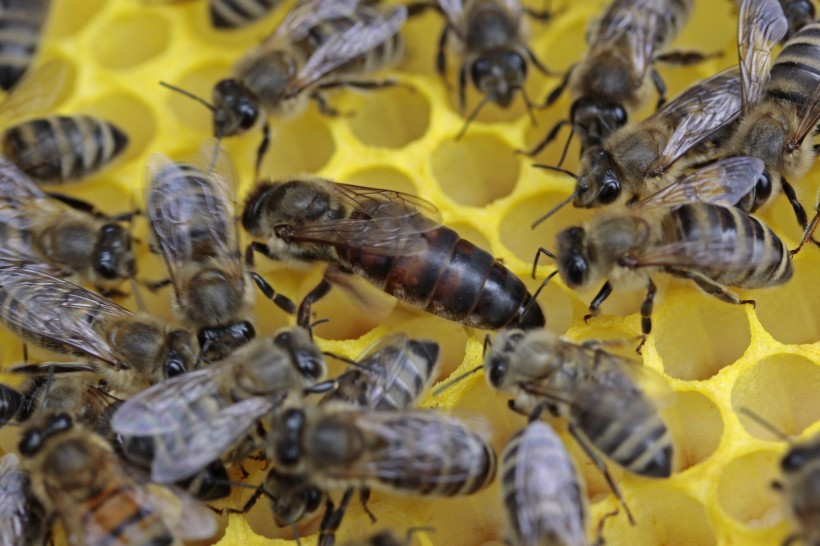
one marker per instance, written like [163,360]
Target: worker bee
[781,107]
[198,417]
[612,83]
[236,14]
[491,35]
[21,23]
[21,515]
[801,469]
[192,220]
[392,239]
[79,480]
[410,452]
[541,490]
[60,149]
[128,351]
[714,246]
[62,235]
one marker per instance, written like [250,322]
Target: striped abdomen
[731,247]
[119,519]
[659,20]
[21,22]
[453,279]
[625,426]
[796,72]
[541,490]
[232,14]
[799,13]
[62,149]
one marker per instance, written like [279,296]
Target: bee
[614,80]
[77,477]
[236,14]
[21,25]
[781,107]
[541,490]
[801,469]
[392,239]
[387,538]
[198,417]
[713,245]
[60,149]
[608,400]
[21,515]
[62,235]
[410,452]
[128,351]
[491,35]
[192,220]
[799,13]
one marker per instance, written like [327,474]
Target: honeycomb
[715,357]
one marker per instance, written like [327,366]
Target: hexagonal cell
[130,114]
[476,170]
[696,427]
[390,118]
[199,81]
[132,39]
[782,389]
[791,313]
[697,335]
[68,18]
[297,146]
[745,489]
[352,310]
[387,178]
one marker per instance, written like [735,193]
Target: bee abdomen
[19,37]
[796,72]
[229,14]
[63,148]
[115,512]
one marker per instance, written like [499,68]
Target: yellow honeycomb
[716,357]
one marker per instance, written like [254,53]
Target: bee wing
[761,27]
[58,310]
[703,109]
[16,187]
[380,222]
[723,182]
[309,13]
[37,92]
[809,117]
[454,12]
[386,357]
[13,495]
[185,517]
[619,373]
[346,46]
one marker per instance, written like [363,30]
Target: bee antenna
[349,361]
[528,104]
[488,343]
[760,420]
[556,208]
[314,324]
[566,145]
[455,380]
[473,115]
[541,251]
[556,169]
[534,298]
[189,95]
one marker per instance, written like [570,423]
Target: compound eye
[577,271]
[610,190]
[763,189]
[30,443]
[309,366]
[174,368]
[480,69]
[619,114]
[248,114]
[313,498]
[498,371]
[284,340]
[794,460]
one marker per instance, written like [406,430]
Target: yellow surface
[716,357]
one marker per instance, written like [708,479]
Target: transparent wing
[761,26]
[379,222]
[723,182]
[13,494]
[618,373]
[309,13]
[387,357]
[809,117]
[357,40]
[37,92]
[16,188]
[56,310]
[513,8]
[703,109]
[186,518]
[454,12]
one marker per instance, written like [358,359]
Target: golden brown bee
[712,245]
[541,490]
[613,82]
[129,351]
[236,14]
[491,37]
[21,24]
[200,416]
[392,239]
[79,480]
[192,221]
[62,235]
[60,149]
[801,476]
[21,515]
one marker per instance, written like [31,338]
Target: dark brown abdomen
[453,279]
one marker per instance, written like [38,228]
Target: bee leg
[600,541]
[153,286]
[514,407]
[303,314]
[807,233]
[600,297]
[660,86]
[462,88]
[249,504]
[364,498]
[545,141]
[538,64]
[113,293]
[441,55]
[646,314]
[76,203]
[686,58]
[799,211]
[281,301]
[333,519]
[324,108]
[558,91]
[589,450]
[542,15]
[262,150]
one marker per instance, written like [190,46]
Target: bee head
[304,355]
[113,256]
[573,262]
[763,189]
[600,179]
[596,119]
[499,75]
[235,108]
[799,456]
[33,439]
[497,362]
[291,498]
[180,356]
